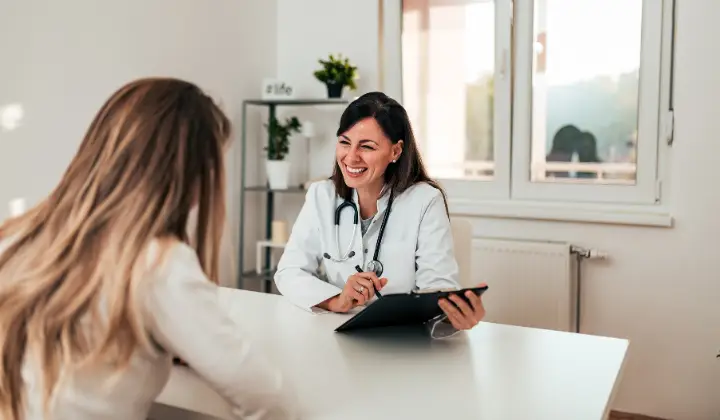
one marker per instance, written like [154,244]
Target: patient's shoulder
[167,256]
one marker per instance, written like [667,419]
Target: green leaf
[279,136]
[337,70]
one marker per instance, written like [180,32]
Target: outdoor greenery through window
[448,69]
[585,90]
[536,99]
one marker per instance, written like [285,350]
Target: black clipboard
[400,309]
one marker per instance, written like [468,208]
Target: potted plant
[278,169]
[337,73]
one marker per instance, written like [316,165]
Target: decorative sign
[277,89]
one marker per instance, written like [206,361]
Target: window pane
[448,63]
[585,90]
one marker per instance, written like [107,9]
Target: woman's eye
[368,147]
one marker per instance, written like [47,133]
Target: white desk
[494,372]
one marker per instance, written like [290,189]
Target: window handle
[503,64]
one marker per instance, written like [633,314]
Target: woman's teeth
[355,170]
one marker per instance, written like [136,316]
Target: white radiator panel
[531,284]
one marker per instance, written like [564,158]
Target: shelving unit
[266,274]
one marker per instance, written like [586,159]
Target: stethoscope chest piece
[375,266]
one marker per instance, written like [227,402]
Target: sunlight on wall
[17,207]
[11,116]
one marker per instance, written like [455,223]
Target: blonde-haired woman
[99,283]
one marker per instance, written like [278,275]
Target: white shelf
[258,254]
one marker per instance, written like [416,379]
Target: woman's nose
[353,155]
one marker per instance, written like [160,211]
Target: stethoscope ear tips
[351,254]
[326,255]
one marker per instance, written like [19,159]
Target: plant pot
[278,173]
[334,90]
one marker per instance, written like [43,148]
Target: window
[544,100]
[457,97]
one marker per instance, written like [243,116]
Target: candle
[279,231]
[308,129]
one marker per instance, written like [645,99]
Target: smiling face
[363,153]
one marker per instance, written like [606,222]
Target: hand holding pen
[359,288]
[376,283]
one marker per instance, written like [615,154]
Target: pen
[359,270]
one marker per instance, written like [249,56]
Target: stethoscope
[374,265]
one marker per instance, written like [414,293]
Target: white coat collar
[382,202]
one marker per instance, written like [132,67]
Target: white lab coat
[183,316]
[416,250]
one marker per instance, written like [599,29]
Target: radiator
[531,284]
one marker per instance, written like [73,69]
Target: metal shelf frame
[272,106]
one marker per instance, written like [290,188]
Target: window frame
[391,61]
[513,116]
[645,189]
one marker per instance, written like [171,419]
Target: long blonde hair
[153,152]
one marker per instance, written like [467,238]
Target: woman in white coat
[102,283]
[379,224]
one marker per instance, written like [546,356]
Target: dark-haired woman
[380,224]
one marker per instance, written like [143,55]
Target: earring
[394,160]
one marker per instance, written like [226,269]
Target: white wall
[309,30]
[61,60]
[661,288]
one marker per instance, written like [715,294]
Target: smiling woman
[363,154]
[379,175]
[376,149]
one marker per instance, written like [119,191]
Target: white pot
[278,173]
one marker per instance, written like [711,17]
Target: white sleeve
[296,275]
[184,316]
[435,260]
[435,257]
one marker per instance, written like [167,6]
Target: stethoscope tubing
[378,266]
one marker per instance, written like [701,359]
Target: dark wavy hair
[395,124]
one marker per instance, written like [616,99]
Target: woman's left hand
[461,315]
